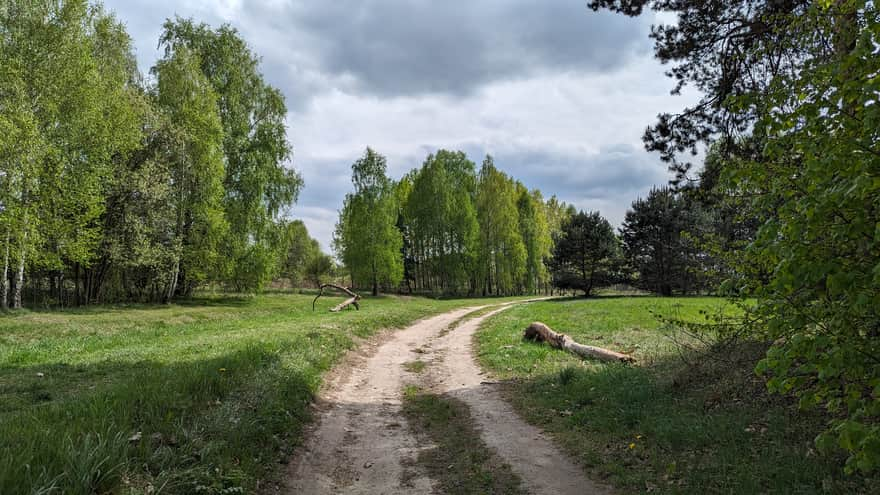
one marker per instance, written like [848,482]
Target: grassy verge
[704,425]
[208,396]
[460,462]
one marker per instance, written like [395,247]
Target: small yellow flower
[632,446]
[222,370]
[638,437]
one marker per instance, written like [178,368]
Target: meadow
[203,396]
[684,419]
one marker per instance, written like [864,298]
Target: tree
[257,184]
[319,268]
[585,253]
[402,190]
[443,222]
[68,68]
[303,260]
[653,243]
[196,170]
[536,237]
[503,254]
[723,220]
[366,238]
[801,76]
[731,52]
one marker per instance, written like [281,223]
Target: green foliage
[586,254]
[822,304]
[503,254]
[722,220]
[442,223]
[536,238]
[468,233]
[114,187]
[303,261]
[196,170]
[813,109]
[663,258]
[366,237]
[257,184]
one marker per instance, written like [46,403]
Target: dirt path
[361,443]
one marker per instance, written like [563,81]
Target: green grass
[207,396]
[692,423]
[416,366]
[459,461]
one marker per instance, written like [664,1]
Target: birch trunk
[172,287]
[19,279]
[4,283]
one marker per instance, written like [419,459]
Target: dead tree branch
[540,332]
[352,301]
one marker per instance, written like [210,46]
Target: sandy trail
[361,443]
[531,455]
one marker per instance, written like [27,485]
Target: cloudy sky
[558,94]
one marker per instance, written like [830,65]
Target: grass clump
[416,366]
[460,462]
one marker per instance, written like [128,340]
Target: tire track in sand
[361,443]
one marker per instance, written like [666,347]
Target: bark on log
[540,332]
[352,301]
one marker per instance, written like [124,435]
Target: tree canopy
[799,79]
[366,237]
[586,253]
[118,187]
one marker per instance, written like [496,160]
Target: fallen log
[352,301]
[344,304]
[540,332]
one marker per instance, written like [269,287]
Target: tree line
[444,228]
[448,228]
[116,186]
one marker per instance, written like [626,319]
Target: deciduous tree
[366,238]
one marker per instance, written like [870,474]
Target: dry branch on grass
[540,332]
[351,301]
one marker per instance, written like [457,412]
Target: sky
[559,95]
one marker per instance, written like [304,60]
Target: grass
[705,425]
[208,396]
[459,461]
[416,366]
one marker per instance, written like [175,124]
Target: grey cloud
[608,180]
[406,48]
[398,48]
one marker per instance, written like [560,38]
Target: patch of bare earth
[362,443]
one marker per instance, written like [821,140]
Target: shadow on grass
[581,297]
[231,301]
[199,426]
[707,425]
